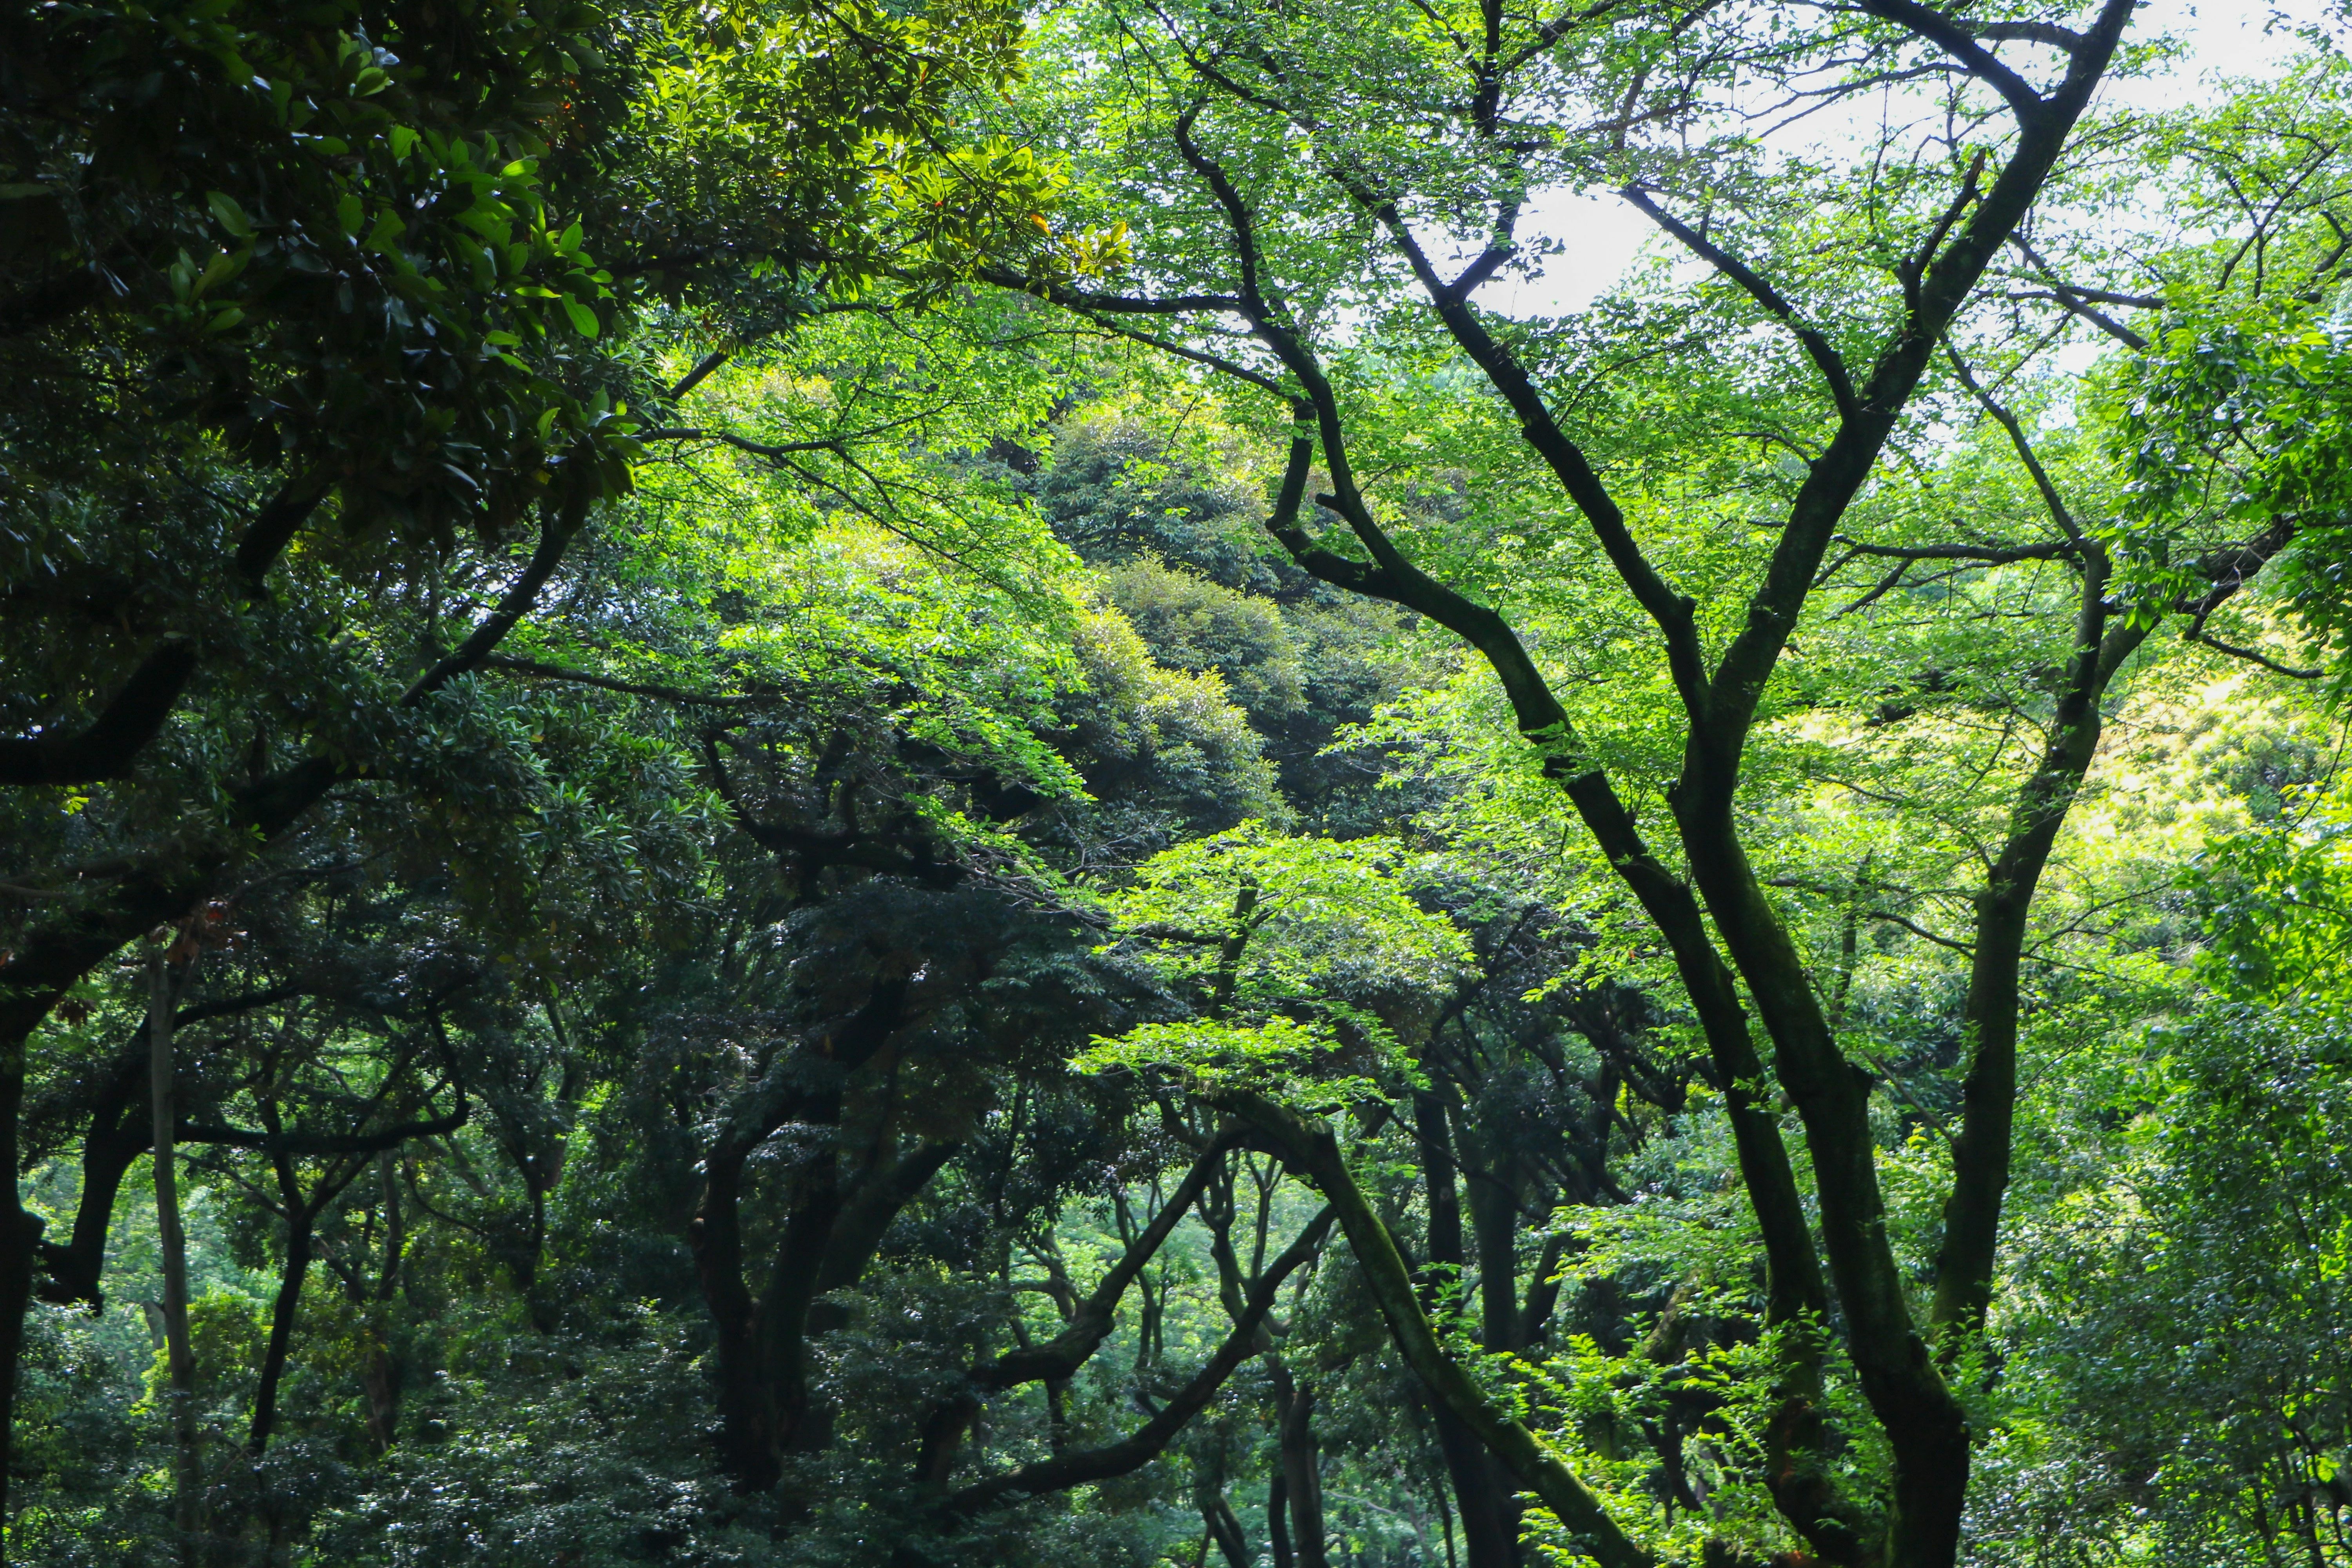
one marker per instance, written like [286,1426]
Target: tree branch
[111,742]
[1063,1354]
[299,1142]
[557,529]
[1818,348]
[1964,45]
[2197,634]
[2008,421]
[607,683]
[1310,1149]
[1145,1445]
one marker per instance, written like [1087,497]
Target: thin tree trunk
[20,1239]
[1302,1469]
[281,1327]
[187,1467]
[382,1373]
[1224,1526]
[1489,1527]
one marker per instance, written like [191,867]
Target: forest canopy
[915,783]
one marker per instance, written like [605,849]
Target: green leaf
[220,267]
[231,215]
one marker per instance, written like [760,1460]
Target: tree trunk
[1312,1150]
[281,1328]
[382,1372]
[1302,1469]
[748,1449]
[187,1467]
[1489,1514]
[1226,1528]
[784,1311]
[20,1232]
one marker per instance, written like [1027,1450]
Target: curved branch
[1145,1445]
[112,742]
[1825,355]
[1967,47]
[556,531]
[1063,1354]
[2197,634]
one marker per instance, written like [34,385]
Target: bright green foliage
[1336,916]
[2180,1387]
[838,1026]
[1302,949]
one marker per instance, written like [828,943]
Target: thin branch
[770,449]
[2078,303]
[2197,634]
[634,688]
[1824,356]
[1963,46]
[1921,932]
[1883,586]
[2025,453]
[1146,1443]
[555,534]
[693,378]
[1217,362]
[1069,1350]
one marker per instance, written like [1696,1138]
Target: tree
[304,310]
[895,979]
[1312,175]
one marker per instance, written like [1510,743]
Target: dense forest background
[910,782]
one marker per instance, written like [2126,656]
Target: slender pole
[187,1467]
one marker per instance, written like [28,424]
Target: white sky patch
[1600,236]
